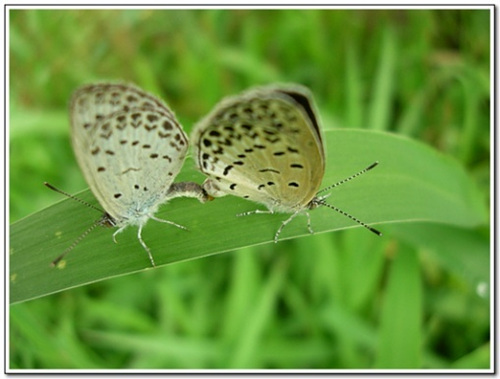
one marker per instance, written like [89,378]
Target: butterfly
[266,145]
[130,147]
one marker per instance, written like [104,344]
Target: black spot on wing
[226,169]
[269,170]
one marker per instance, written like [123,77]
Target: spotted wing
[264,145]
[129,146]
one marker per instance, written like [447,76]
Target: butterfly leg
[139,236]
[309,223]
[118,231]
[257,211]
[169,222]
[283,225]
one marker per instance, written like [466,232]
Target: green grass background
[416,298]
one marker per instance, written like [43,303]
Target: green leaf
[411,183]
[466,253]
[401,314]
[480,358]
[383,91]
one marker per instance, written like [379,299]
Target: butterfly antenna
[76,242]
[349,178]
[373,230]
[72,197]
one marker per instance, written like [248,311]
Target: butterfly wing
[129,146]
[264,145]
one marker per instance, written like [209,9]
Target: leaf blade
[439,187]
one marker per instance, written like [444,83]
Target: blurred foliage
[338,300]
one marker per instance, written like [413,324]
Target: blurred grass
[326,301]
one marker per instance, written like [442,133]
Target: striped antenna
[321,200]
[77,241]
[349,178]
[72,197]
[104,220]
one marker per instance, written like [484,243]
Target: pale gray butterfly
[130,148]
[266,145]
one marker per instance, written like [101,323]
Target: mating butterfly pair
[263,145]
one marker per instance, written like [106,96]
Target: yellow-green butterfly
[265,145]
